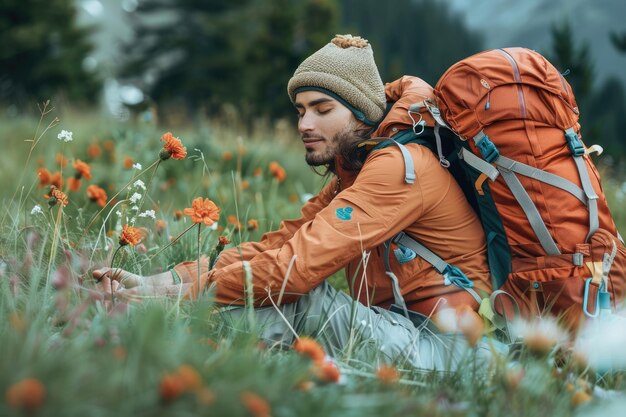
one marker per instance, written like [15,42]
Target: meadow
[67,351]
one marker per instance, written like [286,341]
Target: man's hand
[127,279]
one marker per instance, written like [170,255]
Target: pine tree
[42,53]
[207,54]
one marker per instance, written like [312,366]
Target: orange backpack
[553,245]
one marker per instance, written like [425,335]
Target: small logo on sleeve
[344,213]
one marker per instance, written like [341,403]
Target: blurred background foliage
[185,59]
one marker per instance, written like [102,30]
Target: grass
[128,360]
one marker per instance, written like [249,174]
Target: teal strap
[543,176]
[451,274]
[532,214]
[395,285]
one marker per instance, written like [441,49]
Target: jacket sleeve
[376,207]
[272,240]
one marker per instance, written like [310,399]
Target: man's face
[323,123]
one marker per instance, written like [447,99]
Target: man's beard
[334,147]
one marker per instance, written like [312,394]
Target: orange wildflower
[309,347]
[253,224]
[61,160]
[257,172]
[255,404]
[223,241]
[74,184]
[203,211]
[387,374]
[130,235]
[277,171]
[189,377]
[120,353]
[178,214]
[97,194]
[44,177]
[82,170]
[128,162]
[205,396]
[293,198]
[171,387]
[108,145]
[328,372]
[173,148]
[56,196]
[27,394]
[470,324]
[160,225]
[580,397]
[245,184]
[57,180]
[227,156]
[94,151]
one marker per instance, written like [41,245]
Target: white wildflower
[65,136]
[213,226]
[137,166]
[601,343]
[148,213]
[139,184]
[135,208]
[133,220]
[135,197]
[36,210]
[119,213]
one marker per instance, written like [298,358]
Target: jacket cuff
[188,273]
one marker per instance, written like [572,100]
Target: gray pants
[350,330]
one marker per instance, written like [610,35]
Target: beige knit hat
[345,68]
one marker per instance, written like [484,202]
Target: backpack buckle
[487,149]
[574,144]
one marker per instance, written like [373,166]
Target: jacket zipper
[518,80]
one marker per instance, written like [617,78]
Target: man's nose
[306,123]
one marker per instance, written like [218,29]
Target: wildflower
[128,162]
[61,160]
[160,225]
[56,196]
[178,214]
[74,184]
[44,177]
[227,156]
[255,404]
[36,210]
[139,184]
[580,397]
[257,172]
[57,180]
[97,194]
[205,396]
[293,198]
[137,166]
[245,184]
[234,221]
[600,344]
[277,171]
[148,213]
[135,197]
[513,376]
[189,377]
[540,336]
[253,224]
[82,170]
[327,371]
[171,387]
[27,394]
[461,320]
[94,151]
[130,236]
[203,211]
[120,353]
[135,208]
[173,148]
[223,241]
[387,374]
[309,347]
[65,136]
[108,145]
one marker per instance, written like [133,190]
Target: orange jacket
[345,225]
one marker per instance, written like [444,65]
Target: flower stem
[198,277]
[112,261]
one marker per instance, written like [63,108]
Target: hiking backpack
[518,155]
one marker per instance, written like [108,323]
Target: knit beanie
[345,70]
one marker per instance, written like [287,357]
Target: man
[341,101]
